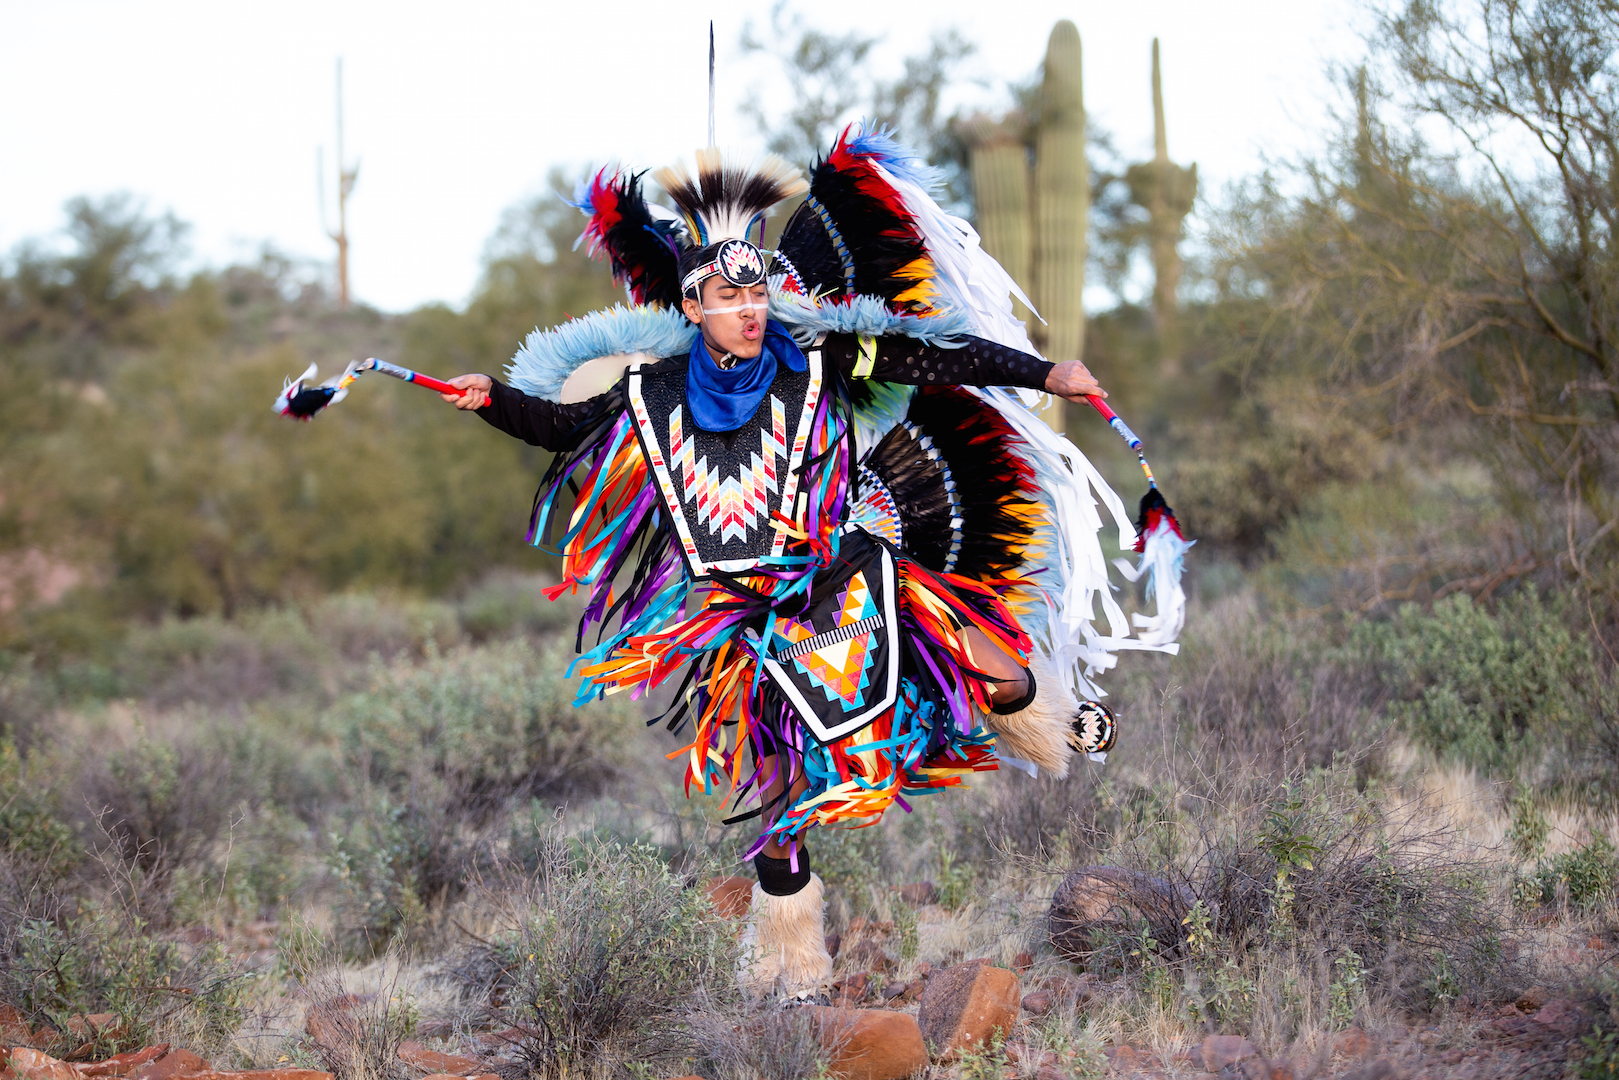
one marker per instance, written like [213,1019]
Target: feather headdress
[642,247]
[725,199]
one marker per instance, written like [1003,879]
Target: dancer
[806,485]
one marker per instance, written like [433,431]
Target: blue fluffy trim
[548,357]
[867,315]
[879,143]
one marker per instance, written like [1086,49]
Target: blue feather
[867,315]
[879,143]
[548,357]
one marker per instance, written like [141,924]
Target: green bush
[391,862]
[30,832]
[107,960]
[1303,897]
[1585,877]
[600,961]
[494,724]
[1506,691]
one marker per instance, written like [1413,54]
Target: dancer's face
[732,317]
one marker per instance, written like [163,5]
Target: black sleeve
[976,362]
[536,421]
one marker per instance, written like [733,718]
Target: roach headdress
[720,203]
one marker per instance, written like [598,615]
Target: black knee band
[1021,703]
[776,876]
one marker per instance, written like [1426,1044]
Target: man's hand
[474,391]
[1073,381]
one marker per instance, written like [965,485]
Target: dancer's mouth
[753,329]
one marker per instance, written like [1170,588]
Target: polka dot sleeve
[976,362]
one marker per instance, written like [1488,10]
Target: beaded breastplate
[722,489]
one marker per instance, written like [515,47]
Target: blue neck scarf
[724,400]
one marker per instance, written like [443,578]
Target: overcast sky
[215,110]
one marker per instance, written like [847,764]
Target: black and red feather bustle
[642,250]
[964,496]
[853,234]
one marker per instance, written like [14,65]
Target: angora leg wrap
[784,943]
[1040,731]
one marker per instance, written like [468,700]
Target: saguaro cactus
[1062,197]
[1166,191]
[1035,221]
[1000,172]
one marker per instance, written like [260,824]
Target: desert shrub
[504,604]
[352,1030]
[1509,691]
[25,700]
[737,1040]
[394,860]
[494,723]
[358,625]
[57,964]
[1307,895]
[1584,877]
[31,833]
[596,958]
[214,661]
[159,802]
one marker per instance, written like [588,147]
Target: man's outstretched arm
[977,362]
[536,421]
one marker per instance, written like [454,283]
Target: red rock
[834,942]
[174,1063]
[432,1061]
[1561,1014]
[903,993]
[870,956]
[125,1063]
[14,1026]
[851,989]
[269,1074]
[453,1076]
[1113,902]
[870,1044]
[1038,1003]
[1351,1043]
[731,896]
[1222,1050]
[1127,1059]
[1595,943]
[1533,998]
[965,1005]
[1257,1068]
[1022,962]
[35,1065]
[324,1021]
[499,1040]
[93,1024]
[1078,989]
[919,894]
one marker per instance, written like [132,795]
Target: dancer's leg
[1009,677]
[784,945]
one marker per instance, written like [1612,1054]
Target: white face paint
[750,305]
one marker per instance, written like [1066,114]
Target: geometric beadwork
[1094,728]
[838,661]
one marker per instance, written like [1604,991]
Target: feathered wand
[1155,517]
[302,401]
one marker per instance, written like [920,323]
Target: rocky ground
[888,1018]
